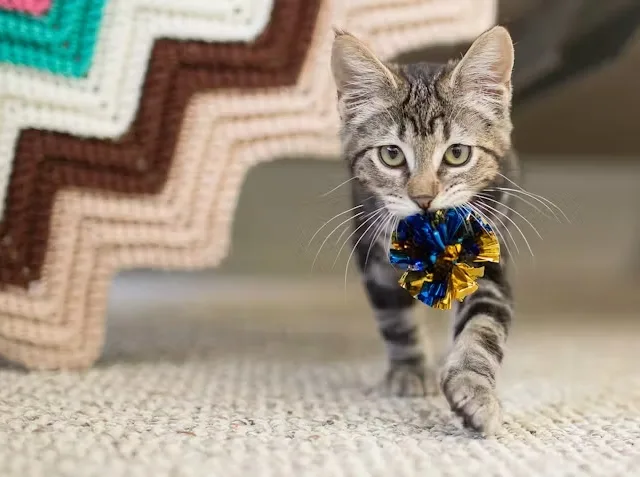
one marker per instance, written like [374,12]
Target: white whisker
[497,229]
[332,232]
[511,194]
[355,246]
[457,211]
[344,231]
[331,220]
[543,200]
[487,207]
[339,239]
[337,187]
[391,230]
[531,194]
[376,235]
[370,216]
[515,212]
[388,235]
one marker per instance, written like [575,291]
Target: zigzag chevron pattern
[240,105]
[103,104]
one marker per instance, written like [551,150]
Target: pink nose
[423,201]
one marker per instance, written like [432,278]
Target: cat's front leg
[468,378]
[408,373]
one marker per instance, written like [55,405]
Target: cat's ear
[486,67]
[357,71]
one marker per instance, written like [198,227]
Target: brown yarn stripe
[138,163]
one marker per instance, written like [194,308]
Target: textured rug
[127,127]
[188,387]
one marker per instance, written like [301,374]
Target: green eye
[457,155]
[391,156]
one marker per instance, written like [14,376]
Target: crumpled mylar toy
[441,253]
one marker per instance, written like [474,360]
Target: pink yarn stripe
[33,7]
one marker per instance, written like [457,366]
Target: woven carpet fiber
[206,387]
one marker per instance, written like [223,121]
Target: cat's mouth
[401,207]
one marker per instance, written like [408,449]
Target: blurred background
[576,104]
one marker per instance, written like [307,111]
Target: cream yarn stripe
[104,104]
[188,225]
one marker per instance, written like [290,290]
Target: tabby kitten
[426,137]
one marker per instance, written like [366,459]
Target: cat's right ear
[357,71]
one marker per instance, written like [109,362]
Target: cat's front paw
[408,380]
[473,398]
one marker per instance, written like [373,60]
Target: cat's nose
[423,201]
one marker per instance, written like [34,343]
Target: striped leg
[408,374]
[468,379]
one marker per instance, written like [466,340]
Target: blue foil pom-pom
[441,254]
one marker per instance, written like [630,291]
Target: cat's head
[425,137]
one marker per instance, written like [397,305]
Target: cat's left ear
[486,68]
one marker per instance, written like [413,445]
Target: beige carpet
[207,387]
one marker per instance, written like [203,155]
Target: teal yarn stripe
[61,42]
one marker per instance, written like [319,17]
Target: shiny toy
[442,253]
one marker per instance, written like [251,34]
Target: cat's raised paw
[472,397]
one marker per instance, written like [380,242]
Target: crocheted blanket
[127,126]
[32,7]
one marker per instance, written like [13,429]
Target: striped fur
[423,109]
